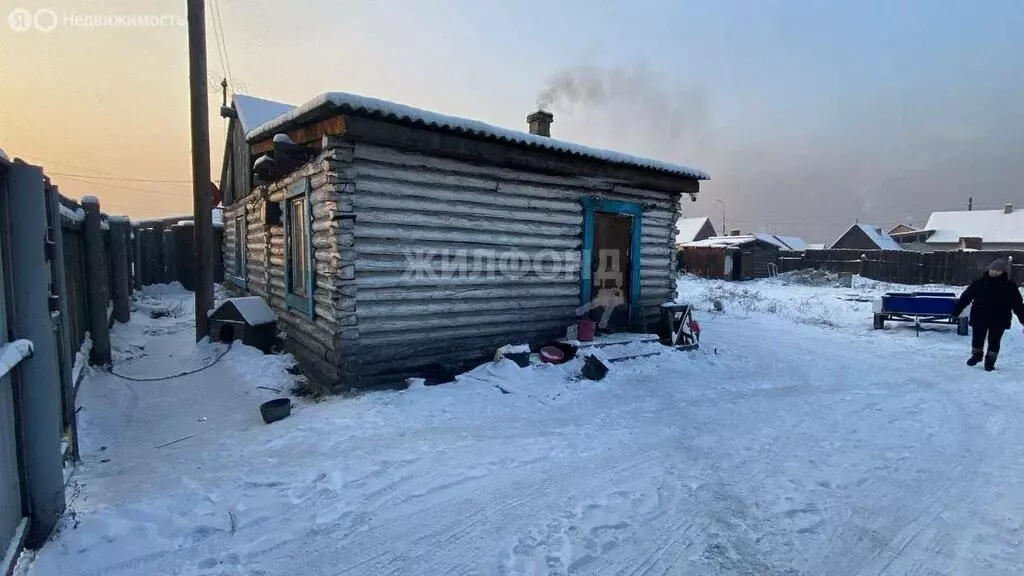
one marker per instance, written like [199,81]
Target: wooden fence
[956,268]
[67,271]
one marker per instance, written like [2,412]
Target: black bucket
[277,409]
[522,359]
[594,369]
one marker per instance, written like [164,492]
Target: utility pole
[724,231]
[202,244]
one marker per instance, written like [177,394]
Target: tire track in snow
[937,496]
[500,503]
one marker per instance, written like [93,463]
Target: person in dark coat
[993,299]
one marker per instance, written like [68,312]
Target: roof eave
[324,106]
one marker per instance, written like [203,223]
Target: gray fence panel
[11,511]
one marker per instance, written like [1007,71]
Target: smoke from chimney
[639,109]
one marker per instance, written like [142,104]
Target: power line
[224,40]
[217,40]
[99,174]
[120,178]
[41,160]
[93,182]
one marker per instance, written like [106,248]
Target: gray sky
[809,114]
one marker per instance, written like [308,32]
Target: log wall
[407,204]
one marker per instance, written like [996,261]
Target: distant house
[739,257]
[864,237]
[693,229]
[914,240]
[902,228]
[971,229]
[792,243]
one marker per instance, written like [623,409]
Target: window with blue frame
[298,248]
[239,264]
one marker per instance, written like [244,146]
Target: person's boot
[990,362]
[975,359]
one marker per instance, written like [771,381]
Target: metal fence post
[66,349]
[157,245]
[129,238]
[119,263]
[152,264]
[40,398]
[170,266]
[96,282]
[143,257]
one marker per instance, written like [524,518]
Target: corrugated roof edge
[346,102]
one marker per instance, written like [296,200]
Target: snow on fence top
[252,112]
[992,226]
[12,353]
[76,215]
[394,111]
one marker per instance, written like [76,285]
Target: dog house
[248,319]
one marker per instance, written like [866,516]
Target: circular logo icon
[45,20]
[20,20]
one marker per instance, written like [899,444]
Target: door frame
[592,205]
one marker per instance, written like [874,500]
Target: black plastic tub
[277,409]
[522,359]
[594,369]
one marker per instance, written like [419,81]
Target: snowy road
[796,449]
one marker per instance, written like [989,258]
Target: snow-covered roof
[254,111]
[816,246]
[725,242]
[355,103]
[793,242]
[901,228]
[689,228]
[879,238]
[732,241]
[3,157]
[765,237]
[992,226]
[254,310]
[883,240]
[720,242]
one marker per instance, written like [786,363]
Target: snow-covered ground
[796,441]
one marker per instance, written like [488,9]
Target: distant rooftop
[252,111]
[992,226]
[689,228]
[794,244]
